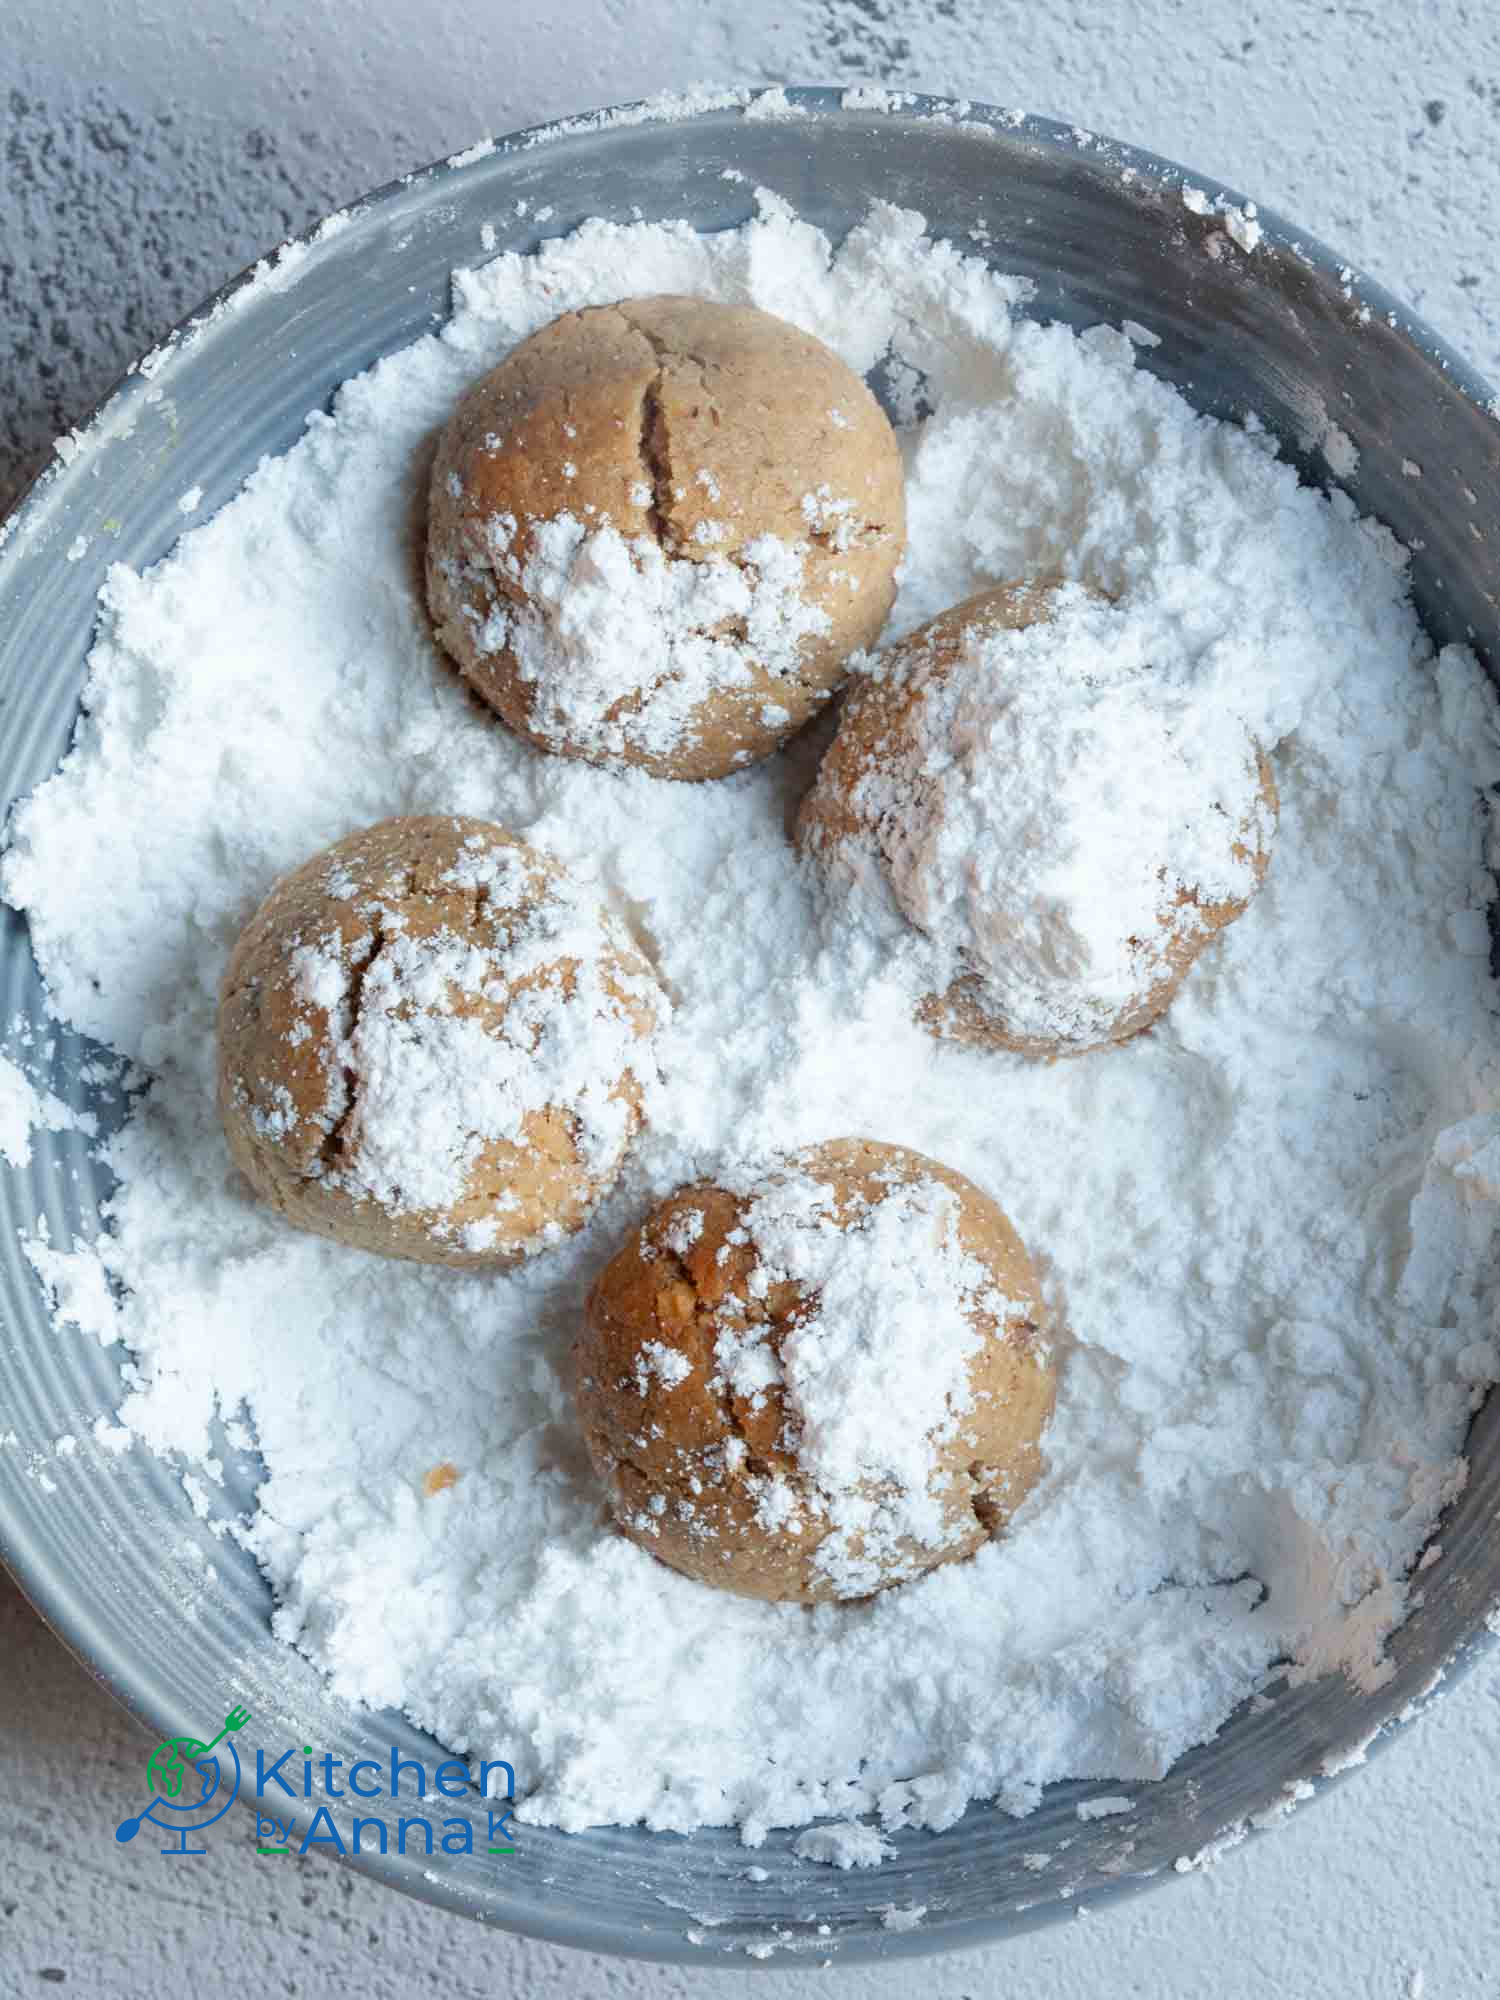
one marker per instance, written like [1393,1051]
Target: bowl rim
[789,101]
[108,419]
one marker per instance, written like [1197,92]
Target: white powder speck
[873,97]
[1105,1808]
[667,1364]
[1240,224]
[845,1844]
[471,155]
[1253,1436]
[897,1917]
[1340,450]
[773,103]
[684,1231]
[1210,1855]
[200,1500]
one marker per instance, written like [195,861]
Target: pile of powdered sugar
[1267,1226]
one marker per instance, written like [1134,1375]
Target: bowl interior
[174,1618]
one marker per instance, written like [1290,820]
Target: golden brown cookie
[824,1431]
[658,530]
[430,1045]
[911,741]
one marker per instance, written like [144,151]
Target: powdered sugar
[846,1845]
[1066,800]
[625,646]
[874,1375]
[1240,224]
[453,1046]
[25,1109]
[1278,1291]
[669,1367]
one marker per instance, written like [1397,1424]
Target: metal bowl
[1352,386]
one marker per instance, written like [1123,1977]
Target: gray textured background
[147,150]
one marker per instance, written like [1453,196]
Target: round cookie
[431,1045]
[657,531]
[817,1380]
[1068,836]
